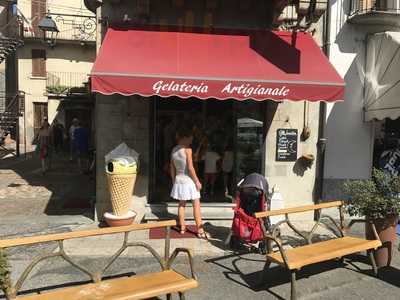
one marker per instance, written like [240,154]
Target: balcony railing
[359,7]
[298,13]
[65,82]
[71,28]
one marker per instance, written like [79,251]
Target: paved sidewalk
[222,273]
[24,191]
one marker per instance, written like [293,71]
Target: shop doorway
[233,131]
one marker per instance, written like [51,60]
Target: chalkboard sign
[286,144]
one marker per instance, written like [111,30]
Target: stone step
[209,211]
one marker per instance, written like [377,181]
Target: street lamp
[50,30]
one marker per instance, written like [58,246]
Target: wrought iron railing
[358,7]
[80,28]
[63,82]
[11,108]
[10,37]
[298,13]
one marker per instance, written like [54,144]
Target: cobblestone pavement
[25,191]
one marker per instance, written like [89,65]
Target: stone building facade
[131,119]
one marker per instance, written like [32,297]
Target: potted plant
[5,279]
[378,200]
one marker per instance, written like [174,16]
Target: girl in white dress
[186,185]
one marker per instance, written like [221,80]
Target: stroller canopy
[254,180]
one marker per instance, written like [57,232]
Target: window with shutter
[38,11]
[39,62]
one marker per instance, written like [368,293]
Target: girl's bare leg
[181,215]
[197,215]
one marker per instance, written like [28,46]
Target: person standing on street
[58,135]
[72,139]
[186,184]
[44,140]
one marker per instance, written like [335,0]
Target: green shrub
[58,89]
[5,280]
[374,198]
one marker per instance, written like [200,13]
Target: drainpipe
[321,145]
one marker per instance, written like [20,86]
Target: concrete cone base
[114,221]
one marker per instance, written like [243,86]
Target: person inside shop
[211,160]
[199,149]
[227,167]
[186,184]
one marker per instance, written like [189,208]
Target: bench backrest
[307,236]
[83,233]
[299,209]
[98,274]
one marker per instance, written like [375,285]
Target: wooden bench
[295,258]
[165,282]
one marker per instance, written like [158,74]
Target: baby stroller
[252,197]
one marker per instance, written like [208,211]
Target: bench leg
[168,296]
[182,296]
[372,258]
[262,276]
[293,295]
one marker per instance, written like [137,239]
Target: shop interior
[387,145]
[230,129]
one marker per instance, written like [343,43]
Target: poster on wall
[286,144]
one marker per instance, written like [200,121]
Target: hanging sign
[286,144]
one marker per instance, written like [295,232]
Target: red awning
[256,65]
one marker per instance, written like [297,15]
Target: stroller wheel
[234,243]
[262,248]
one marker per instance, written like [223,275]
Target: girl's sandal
[183,231]
[203,235]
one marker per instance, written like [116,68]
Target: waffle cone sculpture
[121,177]
[121,189]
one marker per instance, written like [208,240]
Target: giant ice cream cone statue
[121,176]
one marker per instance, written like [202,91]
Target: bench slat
[323,251]
[80,234]
[126,288]
[298,209]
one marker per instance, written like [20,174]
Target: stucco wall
[121,119]
[56,6]
[350,139]
[294,180]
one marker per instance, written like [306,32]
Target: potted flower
[5,280]
[378,200]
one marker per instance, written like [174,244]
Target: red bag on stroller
[246,227]
[251,198]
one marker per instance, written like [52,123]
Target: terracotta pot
[386,229]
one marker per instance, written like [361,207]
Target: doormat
[159,233]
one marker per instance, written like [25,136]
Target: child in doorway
[211,159]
